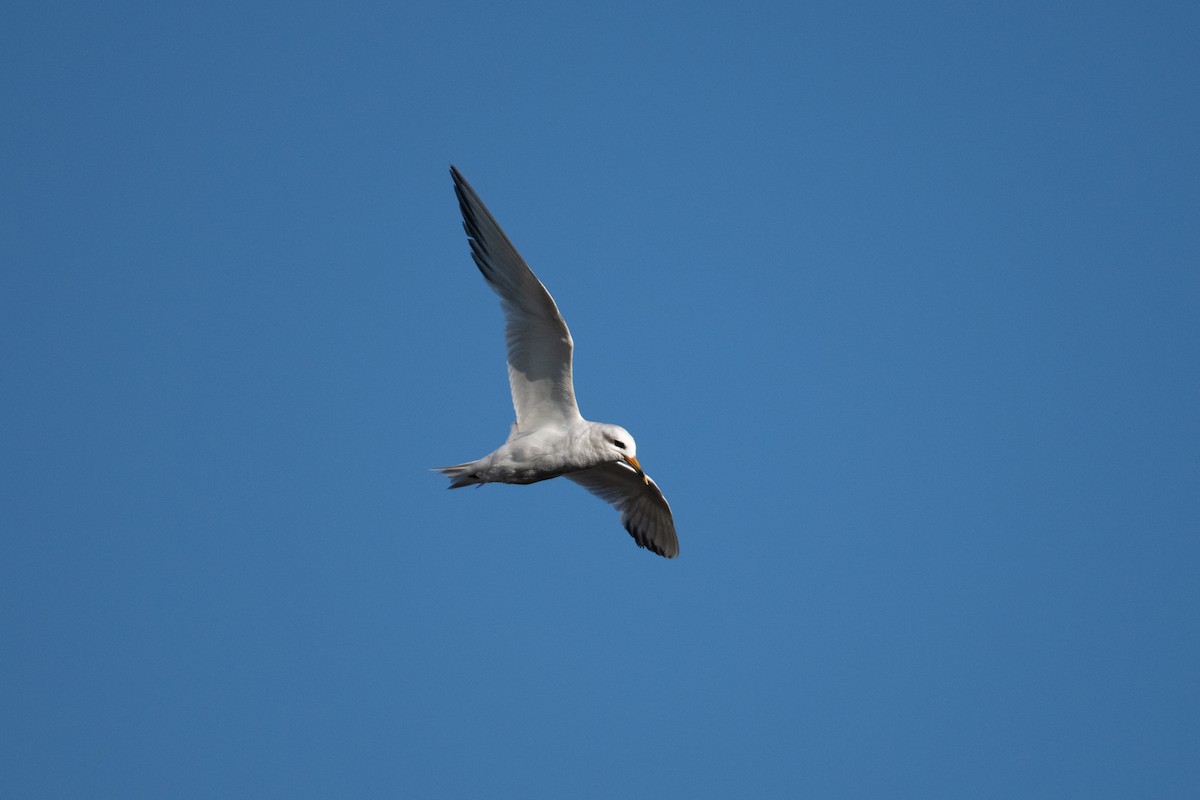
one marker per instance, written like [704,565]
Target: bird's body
[535,456]
[550,438]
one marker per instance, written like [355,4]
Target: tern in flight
[549,438]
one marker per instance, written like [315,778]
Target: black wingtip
[667,549]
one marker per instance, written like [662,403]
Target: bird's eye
[617,442]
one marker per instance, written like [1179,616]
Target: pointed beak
[633,462]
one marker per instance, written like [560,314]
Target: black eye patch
[618,444]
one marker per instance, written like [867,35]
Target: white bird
[549,437]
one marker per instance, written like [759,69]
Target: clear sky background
[900,300]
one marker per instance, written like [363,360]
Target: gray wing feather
[644,510]
[538,341]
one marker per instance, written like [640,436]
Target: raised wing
[539,344]
[644,510]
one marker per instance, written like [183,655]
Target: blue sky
[900,301]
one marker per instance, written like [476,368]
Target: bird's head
[616,442]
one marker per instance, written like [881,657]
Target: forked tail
[461,475]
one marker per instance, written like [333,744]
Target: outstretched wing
[539,344]
[644,510]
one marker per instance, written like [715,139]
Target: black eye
[617,442]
